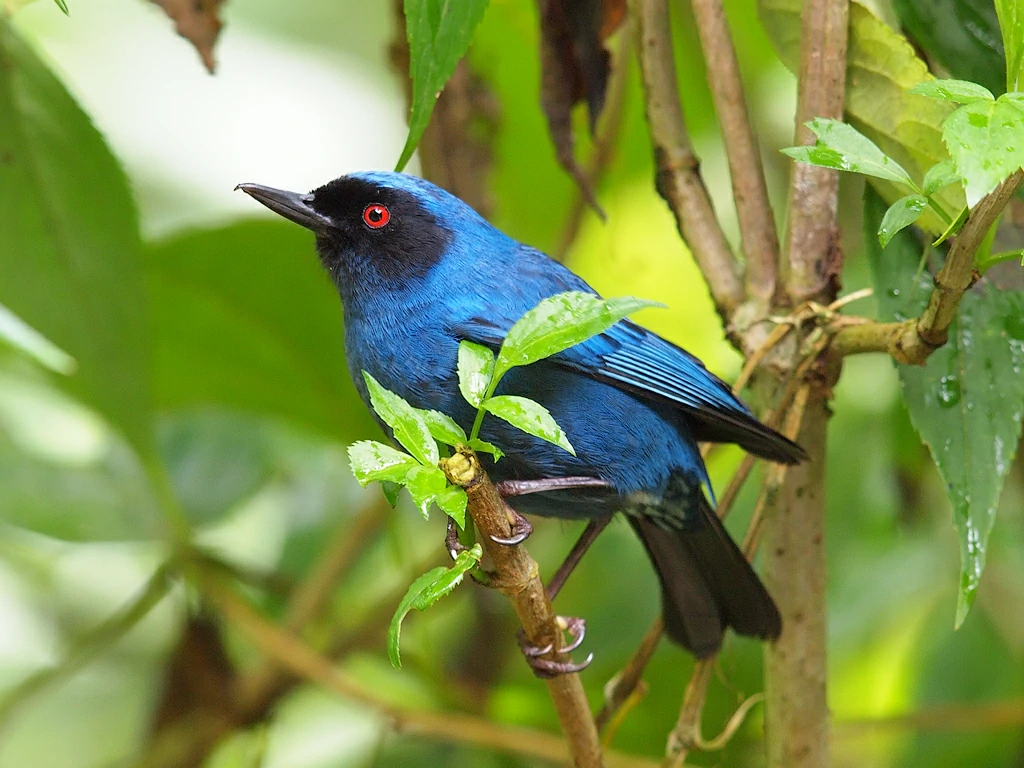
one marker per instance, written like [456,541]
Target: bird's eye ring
[376,215]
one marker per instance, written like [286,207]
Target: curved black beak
[292,205]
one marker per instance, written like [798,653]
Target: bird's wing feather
[641,362]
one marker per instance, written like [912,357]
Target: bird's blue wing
[639,361]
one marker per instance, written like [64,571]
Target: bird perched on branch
[419,271]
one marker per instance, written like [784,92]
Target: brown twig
[913,341]
[757,222]
[687,731]
[518,577]
[309,598]
[678,171]
[304,662]
[987,716]
[621,687]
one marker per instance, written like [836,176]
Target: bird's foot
[521,529]
[451,540]
[548,668]
[456,547]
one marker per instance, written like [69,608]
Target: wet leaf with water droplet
[372,461]
[986,142]
[900,215]
[424,484]
[967,402]
[844,148]
[529,416]
[939,176]
[959,91]
[407,423]
[476,365]
[560,322]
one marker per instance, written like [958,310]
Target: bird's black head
[376,227]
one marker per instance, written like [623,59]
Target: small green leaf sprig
[985,139]
[554,325]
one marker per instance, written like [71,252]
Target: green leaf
[27,340]
[560,322]
[959,91]
[443,427]
[453,501]
[962,35]
[939,176]
[427,590]
[372,461]
[424,484]
[476,366]
[69,249]
[1011,23]
[529,416]
[967,403]
[482,446]
[844,148]
[391,491]
[900,215]
[439,33]
[62,4]
[214,333]
[406,422]
[986,141]
[882,67]
[108,500]
[968,400]
[219,459]
[953,228]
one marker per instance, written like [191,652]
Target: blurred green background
[242,342]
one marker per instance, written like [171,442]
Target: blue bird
[418,271]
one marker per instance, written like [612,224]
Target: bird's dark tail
[706,583]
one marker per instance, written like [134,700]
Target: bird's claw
[548,668]
[577,629]
[451,540]
[521,529]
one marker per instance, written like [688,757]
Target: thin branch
[308,600]
[348,542]
[913,341]
[621,687]
[256,692]
[518,577]
[306,663]
[687,731]
[750,191]
[987,716]
[678,176]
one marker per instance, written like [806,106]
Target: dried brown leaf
[575,67]
[198,21]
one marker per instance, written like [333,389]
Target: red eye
[376,216]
